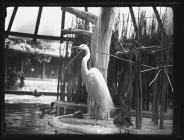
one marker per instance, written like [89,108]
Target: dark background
[178,8]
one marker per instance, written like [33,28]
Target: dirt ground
[147,126]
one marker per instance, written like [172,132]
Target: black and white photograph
[89,70]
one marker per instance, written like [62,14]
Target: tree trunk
[101,42]
[102,39]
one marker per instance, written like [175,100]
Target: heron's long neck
[84,68]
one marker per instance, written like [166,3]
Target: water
[22,114]
[25,119]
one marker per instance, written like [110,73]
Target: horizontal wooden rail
[76,31]
[81,14]
[27,35]
[29,93]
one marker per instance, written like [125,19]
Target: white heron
[96,87]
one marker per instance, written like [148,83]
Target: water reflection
[25,118]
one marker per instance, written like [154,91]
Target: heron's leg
[96,107]
[127,131]
[108,114]
[89,105]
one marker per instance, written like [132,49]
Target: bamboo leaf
[169,80]
[154,78]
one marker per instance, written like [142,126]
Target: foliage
[35,49]
[149,34]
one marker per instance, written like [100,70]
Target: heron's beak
[75,47]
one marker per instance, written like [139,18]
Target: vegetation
[122,79]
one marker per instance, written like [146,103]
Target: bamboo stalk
[154,78]
[37,23]
[169,81]
[156,68]
[162,103]
[170,45]
[138,96]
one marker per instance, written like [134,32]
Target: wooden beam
[76,31]
[27,35]
[37,23]
[86,22]
[158,19]
[81,14]
[63,20]
[156,92]
[12,19]
[133,20]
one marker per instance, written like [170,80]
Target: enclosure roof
[25,21]
[50,20]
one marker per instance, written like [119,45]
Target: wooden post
[138,79]
[130,90]
[43,70]
[163,58]
[156,94]
[166,97]
[60,76]
[155,102]
[162,101]
[12,19]
[138,94]
[86,22]
[62,82]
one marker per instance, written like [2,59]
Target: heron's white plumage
[95,84]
